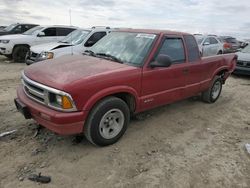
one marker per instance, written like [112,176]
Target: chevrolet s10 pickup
[127,72]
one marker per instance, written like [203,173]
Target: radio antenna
[71,32]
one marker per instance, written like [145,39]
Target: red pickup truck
[127,72]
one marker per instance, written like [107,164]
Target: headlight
[46,55]
[4,41]
[61,101]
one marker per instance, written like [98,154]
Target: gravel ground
[185,144]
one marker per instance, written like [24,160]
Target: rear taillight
[227,45]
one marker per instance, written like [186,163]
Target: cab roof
[153,31]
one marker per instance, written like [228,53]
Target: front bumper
[5,49]
[63,123]
[242,70]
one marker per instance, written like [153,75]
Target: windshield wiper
[89,52]
[109,56]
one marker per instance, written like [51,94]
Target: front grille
[33,91]
[43,94]
[32,55]
[243,64]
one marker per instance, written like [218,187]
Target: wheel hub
[111,123]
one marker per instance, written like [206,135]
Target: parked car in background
[243,62]
[16,28]
[17,46]
[74,43]
[209,45]
[2,27]
[126,72]
[230,44]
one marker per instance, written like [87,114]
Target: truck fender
[109,92]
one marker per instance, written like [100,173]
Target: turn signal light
[66,103]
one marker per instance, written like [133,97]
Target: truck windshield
[130,48]
[76,37]
[10,27]
[33,31]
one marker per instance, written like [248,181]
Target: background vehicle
[74,43]
[209,45]
[243,62]
[2,27]
[17,46]
[127,72]
[230,44]
[16,28]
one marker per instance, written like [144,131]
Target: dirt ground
[186,144]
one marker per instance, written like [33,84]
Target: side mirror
[41,34]
[206,43]
[161,61]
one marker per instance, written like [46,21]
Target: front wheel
[19,53]
[213,93]
[107,121]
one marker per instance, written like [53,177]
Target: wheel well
[128,98]
[222,74]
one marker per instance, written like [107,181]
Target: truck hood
[13,37]
[59,73]
[243,56]
[48,47]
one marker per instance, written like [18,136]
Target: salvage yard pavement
[185,144]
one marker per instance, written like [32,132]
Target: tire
[102,128]
[8,56]
[213,93]
[19,53]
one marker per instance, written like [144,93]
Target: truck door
[164,85]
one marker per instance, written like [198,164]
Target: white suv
[17,46]
[209,45]
[75,43]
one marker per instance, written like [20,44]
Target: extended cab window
[50,32]
[173,47]
[94,38]
[192,48]
[64,31]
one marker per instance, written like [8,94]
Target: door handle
[185,71]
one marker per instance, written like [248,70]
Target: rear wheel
[19,53]
[107,121]
[213,93]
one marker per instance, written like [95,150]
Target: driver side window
[173,47]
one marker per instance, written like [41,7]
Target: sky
[194,16]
